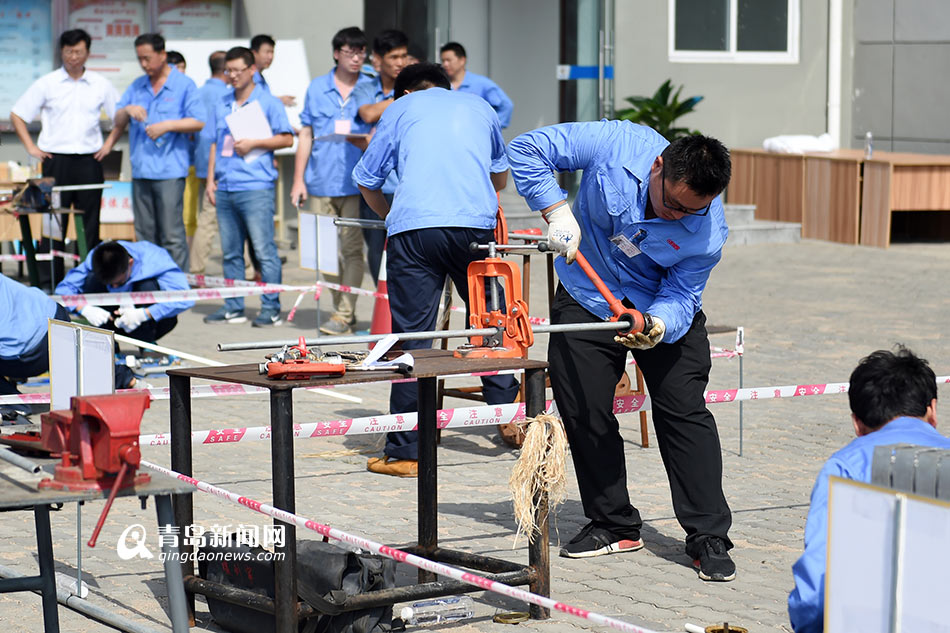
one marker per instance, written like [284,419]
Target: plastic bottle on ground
[438,611]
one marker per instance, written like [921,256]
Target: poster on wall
[191,20]
[26,47]
[113,25]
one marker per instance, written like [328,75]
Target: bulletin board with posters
[113,26]
[26,47]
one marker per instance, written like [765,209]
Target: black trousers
[585,369]
[73,169]
[416,267]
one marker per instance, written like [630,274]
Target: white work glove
[646,340]
[564,234]
[96,316]
[131,318]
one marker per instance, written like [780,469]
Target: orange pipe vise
[515,336]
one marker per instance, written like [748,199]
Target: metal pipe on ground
[86,608]
[606,326]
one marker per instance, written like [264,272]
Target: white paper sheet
[327,250]
[98,361]
[307,240]
[63,364]
[250,122]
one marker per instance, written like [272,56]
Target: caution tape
[40,257]
[398,555]
[483,415]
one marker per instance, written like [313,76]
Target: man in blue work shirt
[263,47]
[449,152]
[24,344]
[323,169]
[163,108]
[653,229]
[211,93]
[453,61]
[121,266]
[893,399]
[241,177]
[390,52]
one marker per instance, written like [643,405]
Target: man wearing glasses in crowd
[653,228]
[323,170]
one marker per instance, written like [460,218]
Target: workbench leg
[282,467]
[27,234]
[177,602]
[179,388]
[428,485]
[44,546]
[539,553]
[80,225]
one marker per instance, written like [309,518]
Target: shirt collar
[254,96]
[64,76]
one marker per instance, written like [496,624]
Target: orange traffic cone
[382,318]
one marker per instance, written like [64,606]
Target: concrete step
[764,232]
[737,214]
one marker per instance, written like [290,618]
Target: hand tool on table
[298,362]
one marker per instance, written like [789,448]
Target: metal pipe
[12,458]
[606,326]
[359,223]
[88,609]
[101,185]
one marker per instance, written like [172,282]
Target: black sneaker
[597,541]
[714,562]
[223,315]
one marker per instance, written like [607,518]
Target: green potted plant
[661,110]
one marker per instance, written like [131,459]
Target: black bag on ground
[326,575]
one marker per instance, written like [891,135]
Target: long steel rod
[10,457]
[422,336]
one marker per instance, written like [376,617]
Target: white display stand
[887,559]
[81,362]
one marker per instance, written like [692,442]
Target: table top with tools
[429,363]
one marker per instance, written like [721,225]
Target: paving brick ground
[810,310]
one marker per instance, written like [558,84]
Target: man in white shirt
[69,102]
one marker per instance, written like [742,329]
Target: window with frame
[739,31]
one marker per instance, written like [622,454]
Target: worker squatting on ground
[653,229]
[451,160]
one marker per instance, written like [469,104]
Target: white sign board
[81,362]
[887,554]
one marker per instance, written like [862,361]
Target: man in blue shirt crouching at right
[893,400]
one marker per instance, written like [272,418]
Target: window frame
[732,55]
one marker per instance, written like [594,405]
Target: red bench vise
[515,336]
[97,439]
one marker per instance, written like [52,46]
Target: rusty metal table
[18,491]
[429,365]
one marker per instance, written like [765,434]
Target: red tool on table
[97,439]
[298,362]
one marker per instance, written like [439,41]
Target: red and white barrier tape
[481,416]
[399,555]
[40,257]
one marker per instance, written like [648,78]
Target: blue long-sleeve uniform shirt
[233,173]
[23,317]
[806,603]
[491,92]
[668,276]
[372,92]
[444,146]
[330,164]
[168,156]
[148,262]
[211,95]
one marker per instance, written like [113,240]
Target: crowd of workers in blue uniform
[420,145]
